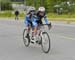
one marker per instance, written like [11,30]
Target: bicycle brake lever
[50,26]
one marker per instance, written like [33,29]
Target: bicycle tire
[45,51]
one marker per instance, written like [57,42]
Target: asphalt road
[12,47]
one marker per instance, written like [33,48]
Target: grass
[53,15]
[9,14]
[68,18]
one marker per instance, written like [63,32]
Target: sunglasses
[32,11]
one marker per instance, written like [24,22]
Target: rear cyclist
[28,18]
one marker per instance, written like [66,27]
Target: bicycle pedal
[32,38]
[38,42]
[32,42]
[27,36]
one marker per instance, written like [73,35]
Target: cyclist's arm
[46,20]
[26,19]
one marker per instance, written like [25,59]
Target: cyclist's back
[28,18]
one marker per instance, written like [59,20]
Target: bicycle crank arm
[33,41]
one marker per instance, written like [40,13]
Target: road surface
[12,47]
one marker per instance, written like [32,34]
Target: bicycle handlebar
[46,24]
[49,25]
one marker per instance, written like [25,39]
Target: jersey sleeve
[26,18]
[46,20]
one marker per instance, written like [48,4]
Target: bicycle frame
[39,27]
[40,38]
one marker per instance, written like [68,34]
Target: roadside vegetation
[54,8]
[10,14]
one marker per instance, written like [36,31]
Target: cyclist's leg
[28,27]
[40,23]
[35,25]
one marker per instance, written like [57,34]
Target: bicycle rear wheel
[26,38]
[45,43]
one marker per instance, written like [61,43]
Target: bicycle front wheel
[45,42]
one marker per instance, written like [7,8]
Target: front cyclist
[38,19]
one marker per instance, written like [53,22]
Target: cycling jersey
[38,20]
[28,20]
[34,20]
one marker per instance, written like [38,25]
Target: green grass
[68,18]
[9,14]
[53,15]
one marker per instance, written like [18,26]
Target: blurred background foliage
[50,5]
[54,7]
[58,6]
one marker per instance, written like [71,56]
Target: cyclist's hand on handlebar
[49,26]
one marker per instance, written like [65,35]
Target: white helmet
[42,9]
[30,9]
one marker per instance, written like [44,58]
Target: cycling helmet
[41,9]
[31,9]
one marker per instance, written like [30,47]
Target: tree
[48,4]
[6,5]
